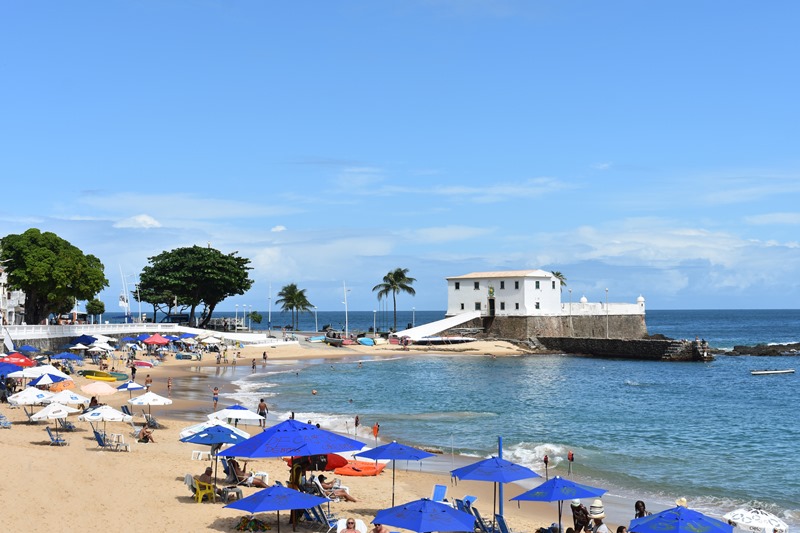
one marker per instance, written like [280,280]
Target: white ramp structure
[433,328]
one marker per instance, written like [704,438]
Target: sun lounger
[107,444]
[151,421]
[327,521]
[482,525]
[501,525]
[127,410]
[65,424]
[55,441]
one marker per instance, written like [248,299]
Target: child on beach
[215,396]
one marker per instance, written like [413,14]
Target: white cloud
[444,234]
[601,166]
[138,221]
[278,229]
[788,219]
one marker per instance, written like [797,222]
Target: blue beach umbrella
[7,368]
[46,379]
[129,339]
[214,436]
[188,335]
[28,348]
[395,451]
[679,520]
[277,498]
[130,386]
[66,356]
[559,489]
[292,438]
[496,470]
[426,515]
[84,339]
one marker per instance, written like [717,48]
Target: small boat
[97,375]
[348,342]
[379,340]
[333,341]
[769,372]
[119,376]
[143,364]
[366,341]
[360,468]
[316,338]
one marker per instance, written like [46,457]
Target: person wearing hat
[597,512]
[580,515]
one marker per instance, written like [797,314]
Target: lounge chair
[55,441]
[439,494]
[482,525]
[151,421]
[127,410]
[326,520]
[501,525]
[104,442]
[135,430]
[326,493]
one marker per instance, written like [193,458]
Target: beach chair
[103,441]
[439,494]
[202,490]
[135,430]
[482,525]
[326,520]
[65,424]
[326,493]
[5,423]
[501,525]
[127,410]
[55,441]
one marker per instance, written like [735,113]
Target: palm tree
[560,277]
[394,282]
[295,301]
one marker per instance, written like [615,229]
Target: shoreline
[96,474]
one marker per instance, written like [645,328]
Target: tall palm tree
[295,301]
[560,277]
[395,281]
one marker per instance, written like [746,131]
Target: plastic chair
[55,441]
[203,489]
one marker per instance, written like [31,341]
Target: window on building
[537,305]
[458,285]
[554,284]
[537,284]
[516,285]
[477,306]
[502,285]
[462,307]
[477,285]
[516,306]
[502,306]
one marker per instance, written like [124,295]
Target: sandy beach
[80,486]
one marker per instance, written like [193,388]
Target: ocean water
[646,430]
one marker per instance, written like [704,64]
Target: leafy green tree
[295,301]
[50,271]
[395,281]
[560,277]
[191,277]
[95,308]
[256,317]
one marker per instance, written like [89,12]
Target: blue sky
[645,147]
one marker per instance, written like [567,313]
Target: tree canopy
[395,281]
[192,277]
[51,272]
[295,301]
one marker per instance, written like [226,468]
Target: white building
[524,293]
[505,293]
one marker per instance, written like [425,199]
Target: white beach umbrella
[197,428]
[105,413]
[29,396]
[68,397]
[211,340]
[79,346]
[36,371]
[756,520]
[236,412]
[53,411]
[149,399]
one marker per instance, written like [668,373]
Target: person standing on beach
[254,365]
[133,372]
[640,509]
[263,410]
[148,382]
[169,387]
[580,515]
[264,358]
[357,423]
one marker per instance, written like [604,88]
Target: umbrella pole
[560,508]
[393,465]
[494,506]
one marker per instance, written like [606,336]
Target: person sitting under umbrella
[207,477]
[332,489]
[243,477]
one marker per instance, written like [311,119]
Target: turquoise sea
[645,430]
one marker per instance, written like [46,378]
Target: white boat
[768,372]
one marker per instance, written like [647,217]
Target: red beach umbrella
[18,359]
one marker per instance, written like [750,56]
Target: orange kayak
[360,468]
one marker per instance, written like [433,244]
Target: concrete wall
[525,327]
[624,348]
